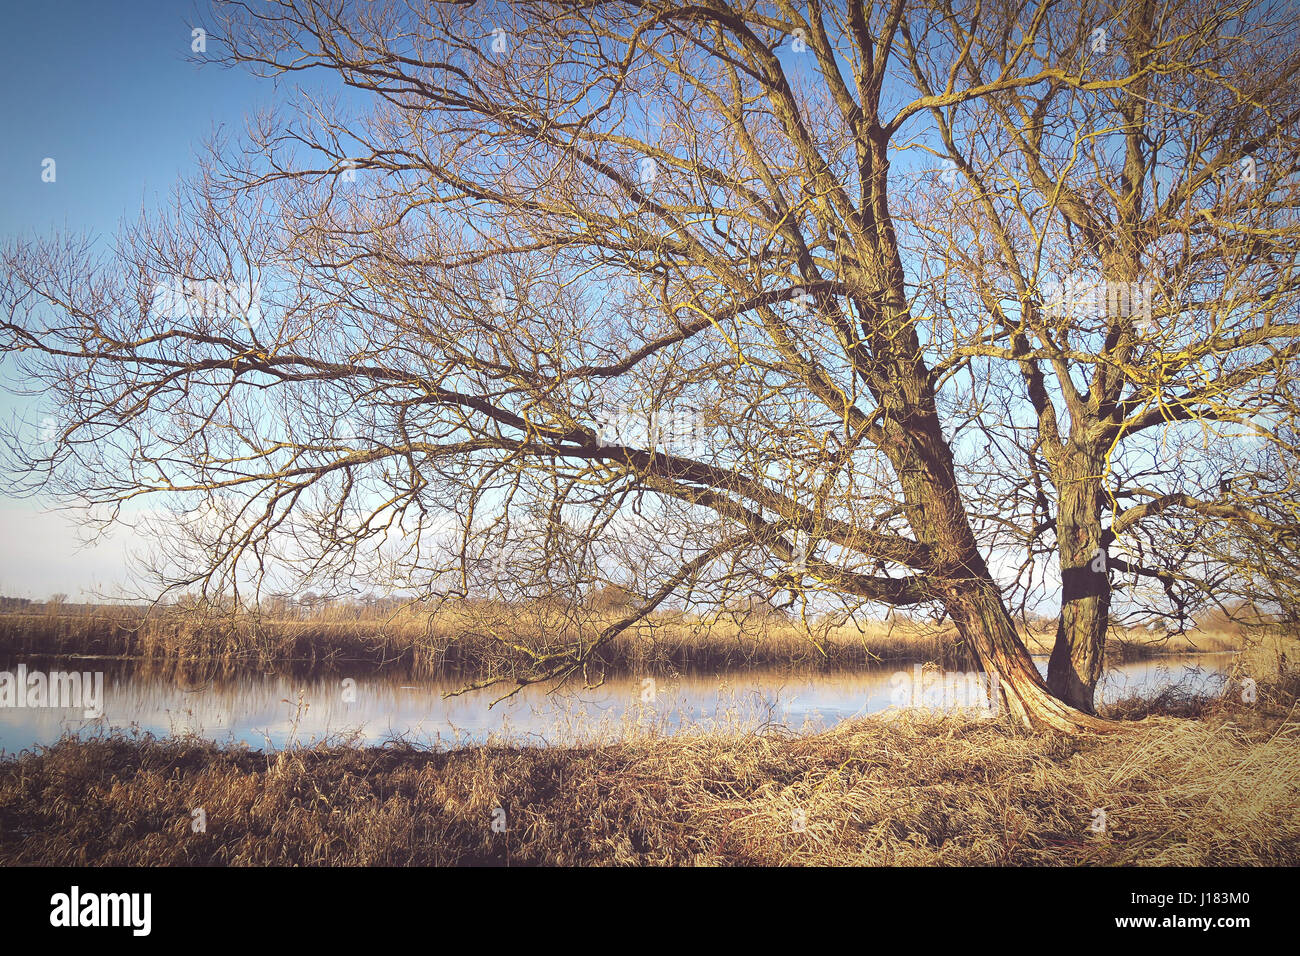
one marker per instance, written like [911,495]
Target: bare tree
[1128,230]
[561,297]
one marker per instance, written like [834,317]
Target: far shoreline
[467,638]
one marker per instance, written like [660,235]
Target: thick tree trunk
[1078,654]
[964,583]
[922,461]
[982,619]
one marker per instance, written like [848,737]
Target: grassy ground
[1215,784]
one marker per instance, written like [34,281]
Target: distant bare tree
[673,298]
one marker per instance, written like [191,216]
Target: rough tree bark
[960,575]
[1079,650]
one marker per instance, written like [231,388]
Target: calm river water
[276,711]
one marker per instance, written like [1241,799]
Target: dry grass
[1133,645]
[471,637]
[1219,789]
[467,637]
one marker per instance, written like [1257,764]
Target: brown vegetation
[1216,786]
[455,639]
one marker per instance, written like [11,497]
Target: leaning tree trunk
[962,579]
[977,609]
[1078,654]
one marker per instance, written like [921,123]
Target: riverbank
[478,638]
[1195,782]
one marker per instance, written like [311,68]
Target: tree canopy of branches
[918,304]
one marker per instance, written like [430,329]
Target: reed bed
[480,638]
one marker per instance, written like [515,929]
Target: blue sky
[106,91]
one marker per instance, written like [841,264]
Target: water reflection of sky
[262,710]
